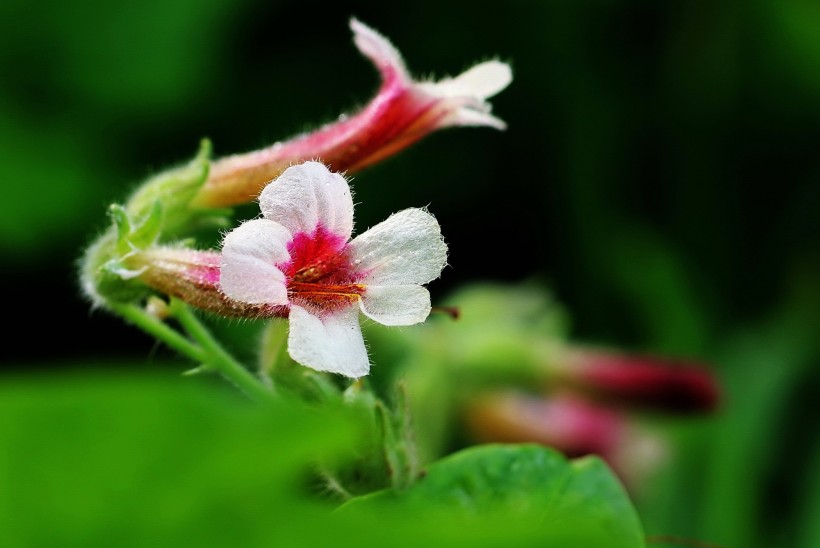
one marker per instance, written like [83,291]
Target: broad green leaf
[513,494]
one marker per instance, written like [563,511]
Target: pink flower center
[321,274]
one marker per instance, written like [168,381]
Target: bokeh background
[660,175]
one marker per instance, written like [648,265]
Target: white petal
[405,249]
[378,49]
[482,81]
[396,304]
[333,343]
[250,253]
[307,195]
[466,116]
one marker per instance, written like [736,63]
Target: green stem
[276,367]
[325,389]
[274,343]
[154,326]
[216,357]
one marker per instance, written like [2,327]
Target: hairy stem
[154,326]
[216,358]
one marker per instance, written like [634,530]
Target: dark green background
[649,145]
[660,173]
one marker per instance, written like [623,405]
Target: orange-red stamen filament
[321,291]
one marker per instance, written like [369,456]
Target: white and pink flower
[402,112]
[299,257]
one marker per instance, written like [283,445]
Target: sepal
[115,282]
[135,234]
[173,191]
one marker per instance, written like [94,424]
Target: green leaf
[135,459]
[147,460]
[521,493]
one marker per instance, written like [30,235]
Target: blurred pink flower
[638,380]
[570,424]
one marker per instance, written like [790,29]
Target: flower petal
[481,81]
[250,253]
[396,304]
[464,95]
[306,196]
[470,116]
[378,49]
[332,343]
[407,248]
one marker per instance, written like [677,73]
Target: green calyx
[159,211]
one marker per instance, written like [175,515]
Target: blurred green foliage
[660,175]
[733,477]
[144,459]
[96,460]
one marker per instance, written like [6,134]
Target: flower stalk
[217,358]
[204,349]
